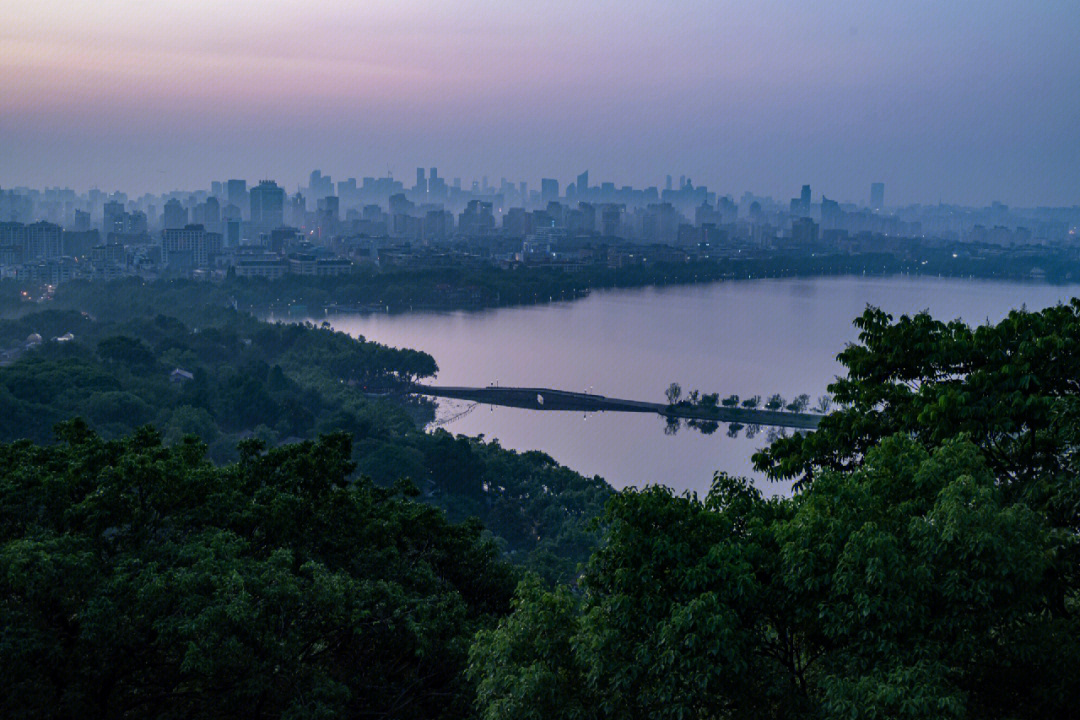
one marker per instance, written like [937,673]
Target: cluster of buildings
[328,227]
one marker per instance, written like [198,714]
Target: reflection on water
[761,337]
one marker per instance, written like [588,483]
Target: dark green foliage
[539,511]
[283,383]
[911,587]
[127,351]
[138,580]
[1012,388]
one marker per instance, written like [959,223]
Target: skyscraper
[328,213]
[549,190]
[267,205]
[583,182]
[319,186]
[236,192]
[877,195]
[113,216]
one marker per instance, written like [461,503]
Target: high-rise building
[37,241]
[549,190]
[611,220]
[213,211]
[81,222]
[113,214]
[804,231]
[437,189]
[174,216]
[805,196]
[328,214]
[877,195]
[583,183]
[831,214]
[476,219]
[267,205]
[232,233]
[319,186]
[421,182]
[236,193]
[437,225]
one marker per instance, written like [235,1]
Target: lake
[745,337]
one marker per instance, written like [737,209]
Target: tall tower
[877,196]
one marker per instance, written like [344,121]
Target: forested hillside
[232,377]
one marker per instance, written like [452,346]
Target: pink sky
[961,101]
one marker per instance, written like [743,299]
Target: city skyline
[967,103]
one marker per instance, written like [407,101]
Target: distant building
[549,190]
[804,231]
[583,183]
[319,185]
[477,219]
[831,214]
[189,247]
[52,272]
[113,214]
[81,221]
[266,266]
[877,196]
[611,220]
[236,193]
[233,233]
[328,214]
[437,189]
[306,264]
[801,205]
[267,205]
[36,241]
[438,224]
[174,216]
[79,244]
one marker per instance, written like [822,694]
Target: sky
[960,101]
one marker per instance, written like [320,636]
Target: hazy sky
[948,100]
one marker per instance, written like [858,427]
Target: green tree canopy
[1012,388]
[138,580]
[911,587]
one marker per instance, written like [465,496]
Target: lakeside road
[549,399]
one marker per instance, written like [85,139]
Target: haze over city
[964,102]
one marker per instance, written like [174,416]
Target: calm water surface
[746,337]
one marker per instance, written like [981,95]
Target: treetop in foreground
[910,587]
[139,580]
